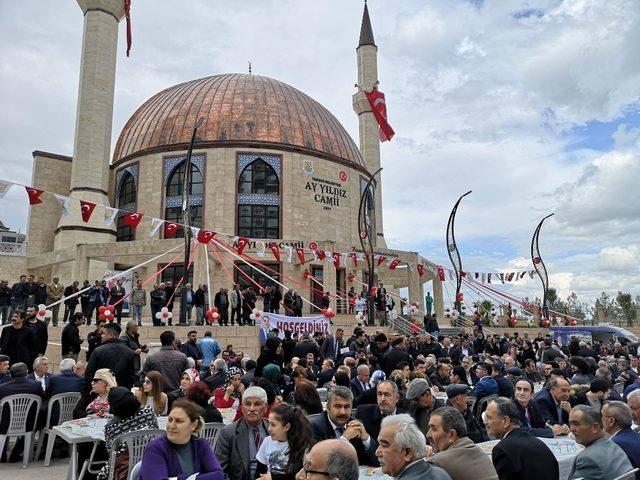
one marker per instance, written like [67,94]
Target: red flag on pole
[300,253]
[34,195]
[127,15]
[420,269]
[133,219]
[87,209]
[205,236]
[441,276]
[275,250]
[354,257]
[394,263]
[379,109]
[336,259]
[242,244]
[170,229]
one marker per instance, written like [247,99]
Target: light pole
[454,254]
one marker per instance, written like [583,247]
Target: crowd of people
[416,407]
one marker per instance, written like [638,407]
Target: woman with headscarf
[128,416]
[230,393]
[101,383]
[271,353]
[189,377]
[273,374]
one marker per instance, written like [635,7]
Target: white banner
[299,325]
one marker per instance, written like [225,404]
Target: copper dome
[238,109]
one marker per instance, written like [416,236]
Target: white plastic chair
[211,431]
[630,475]
[135,471]
[66,403]
[19,407]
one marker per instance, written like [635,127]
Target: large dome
[238,110]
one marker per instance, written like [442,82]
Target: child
[291,435]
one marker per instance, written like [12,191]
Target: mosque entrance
[316,289]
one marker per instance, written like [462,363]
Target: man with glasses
[332,460]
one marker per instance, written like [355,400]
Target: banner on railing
[299,325]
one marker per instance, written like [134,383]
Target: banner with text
[299,325]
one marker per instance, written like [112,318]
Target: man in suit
[117,293]
[402,456]
[264,331]
[221,302]
[617,420]
[41,372]
[337,458]
[239,442]
[447,349]
[326,373]
[360,383]
[454,451]
[601,459]
[336,423]
[332,345]
[519,455]
[218,374]
[70,304]
[395,356]
[387,399]
[486,383]
[553,402]
[65,381]
[237,298]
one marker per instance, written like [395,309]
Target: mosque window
[259,177]
[174,184]
[174,214]
[127,190]
[124,233]
[263,280]
[174,272]
[127,197]
[259,221]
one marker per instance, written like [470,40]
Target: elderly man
[601,459]
[454,451]
[218,374]
[332,459]
[617,420]
[402,448]
[336,422]
[553,402]
[131,338]
[387,399]
[360,383]
[65,381]
[239,442]
[633,400]
[326,374]
[41,372]
[457,397]
[514,457]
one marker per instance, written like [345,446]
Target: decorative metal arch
[452,248]
[540,267]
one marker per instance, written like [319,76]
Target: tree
[610,307]
[628,307]
[575,308]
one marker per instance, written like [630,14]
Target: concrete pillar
[81,265]
[329,276]
[414,284]
[438,299]
[94,118]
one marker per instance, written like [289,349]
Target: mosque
[269,163]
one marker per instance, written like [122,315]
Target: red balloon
[165,314]
[101,309]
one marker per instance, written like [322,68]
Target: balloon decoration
[447,313]
[513,322]
[164,314]
[495,320]
[572,322]
[105,312]
[351,277]
[545,322]
[529,321]
[328,313]
[360,318]
[212,315]
[354,299]
[413,308]
[43,313]
[306,274]
[255,314]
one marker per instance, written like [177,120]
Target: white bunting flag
[328,256]
[289,250]
[261,248]
[64,204]
[5,187]
[110,215]
[484,277]
[195,231]
[156,223]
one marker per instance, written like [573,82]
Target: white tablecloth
[564,449]
[371,473]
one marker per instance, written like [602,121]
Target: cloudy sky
[533,105]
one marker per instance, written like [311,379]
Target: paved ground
[35,471]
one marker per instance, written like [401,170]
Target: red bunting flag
[381,260]
[420,269]
[242,244]
[336,259]
[127,14]
[205,236]
[510,277]
[354,258]
[321,254]
[441,276]
[300,253]
[87,209]
[34,195]
[463,273]
[171,229]
[379,109]
[394,263]
[275,250]
[133,219]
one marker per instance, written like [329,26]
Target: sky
[532,105]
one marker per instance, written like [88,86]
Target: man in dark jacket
[221,302]
[131,338]
[66,381]
[18,341]
[5,302]
[70,337]
[387,400]
[70,304]
[95,338]
[170,291]
[306,345]
[457,395]
[553,402]
[39,331]
[395,356]
[168,361]
[116,296]
[158,299]
[19,294]
[191,348]
[276,298]
[41,292]
[115,356]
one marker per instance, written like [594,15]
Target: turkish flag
[170,229]
[275,250]
[133,219]
[381,260]
[420,269]
[336,259]
[34,195]
[441,276]
[510,277]
[379,109]
[354,257]
[300,253]
[127,14]
[394,263]
[321,254]
[242,244]
[87,209]
[205,236]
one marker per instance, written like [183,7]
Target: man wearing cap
[458,396]
[454,451]
[422,403]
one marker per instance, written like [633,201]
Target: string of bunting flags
[304,255]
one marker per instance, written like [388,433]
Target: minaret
[367,54]
[92,142]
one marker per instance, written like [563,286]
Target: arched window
[258,201]
[174,185]
[259,177]
[126,198]
[173,197]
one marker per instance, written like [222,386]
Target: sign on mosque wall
[326,192]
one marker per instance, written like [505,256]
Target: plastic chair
[630,475]
[19,407]
[211,431]
[135,441]
[66,403]
[135,471]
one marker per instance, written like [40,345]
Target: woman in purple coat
[179,454]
